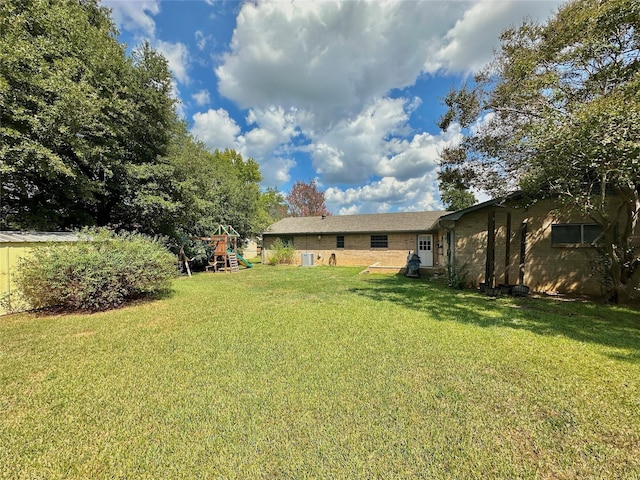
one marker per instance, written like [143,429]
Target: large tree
[272,207]
[557,114]
[59,75]
[305,200]
[83,127]
[89,135]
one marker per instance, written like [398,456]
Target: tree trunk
[622,248]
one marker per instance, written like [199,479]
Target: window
[286,241]
[575,234]
[379,241]
[340,241]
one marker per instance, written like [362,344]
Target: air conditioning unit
[307,259]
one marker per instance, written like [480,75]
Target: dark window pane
[340,241]
[287,241]
[591,233]
[565,233]
[379,241]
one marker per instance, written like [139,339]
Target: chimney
[323,217]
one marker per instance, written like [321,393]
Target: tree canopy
[557,113]
[305,200]
[457,197]
[89,135]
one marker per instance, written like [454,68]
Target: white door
[425,250]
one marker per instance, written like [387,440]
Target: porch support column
[507,250]
[491,249]
[523,251]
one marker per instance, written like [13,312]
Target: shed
[14,245]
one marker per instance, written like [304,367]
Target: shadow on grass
[142,299]
[611,326]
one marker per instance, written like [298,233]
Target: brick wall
[357,249]
[547,268]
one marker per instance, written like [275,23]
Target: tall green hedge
[103,271]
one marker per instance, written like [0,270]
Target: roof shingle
[374,222]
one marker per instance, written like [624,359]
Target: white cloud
[135,16]
[335,63]
[202,40]
[333,57]
[378,143]
[272,127]
[344,53]
[388,193]
[202,97]
[177,54]
[275,170]
[418,156]
[469,44]
[315,78]
[268,142]
[351,150]
[216,129]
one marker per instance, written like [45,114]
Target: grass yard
[322,373]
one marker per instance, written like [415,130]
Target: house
[514,241]
[510,240]
[14,245]
[380,241]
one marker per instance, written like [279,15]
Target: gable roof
[367,223]
[453,216]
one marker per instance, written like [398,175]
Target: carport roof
[35,237]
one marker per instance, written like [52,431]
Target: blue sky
[344,92]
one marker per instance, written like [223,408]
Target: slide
[243,262]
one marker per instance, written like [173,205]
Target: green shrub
[283,253]
[456,276]
[101,272]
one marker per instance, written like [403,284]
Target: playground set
[225,257]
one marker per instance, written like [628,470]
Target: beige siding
[357,249]
[547,268]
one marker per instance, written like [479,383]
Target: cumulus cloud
[177,55]
[216,129]
[326,80]
[275,170]
[135,16]
[334,57]
[394,168]
[268,142]
[378,143]
[386,194]
[418,156]
[352,150]
[272,127]
[202,97]
[464,48]
[328,57]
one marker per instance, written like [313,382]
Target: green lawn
[279,372]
